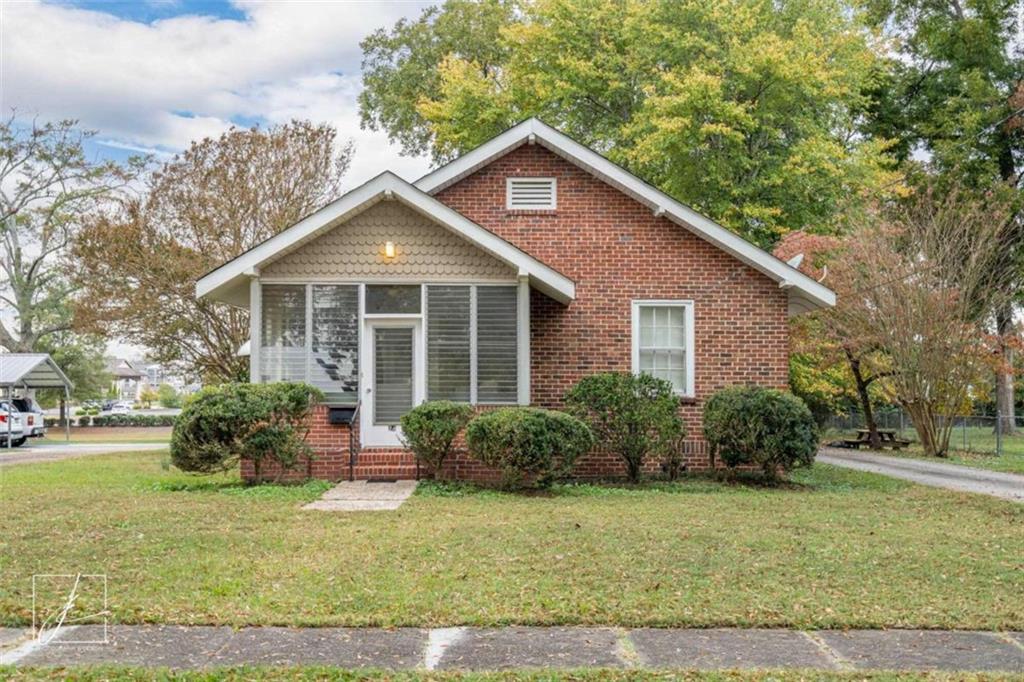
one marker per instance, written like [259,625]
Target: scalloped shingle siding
[425,251]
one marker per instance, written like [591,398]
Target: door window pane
[392,372]
[392,299]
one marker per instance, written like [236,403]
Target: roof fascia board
[625,181]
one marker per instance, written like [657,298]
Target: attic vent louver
[531,194]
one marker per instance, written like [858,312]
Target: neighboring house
[127,381]
[158,375]
[502,278]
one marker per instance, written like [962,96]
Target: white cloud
[161,85]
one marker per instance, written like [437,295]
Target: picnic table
[887,439]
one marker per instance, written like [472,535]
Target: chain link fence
[971,433]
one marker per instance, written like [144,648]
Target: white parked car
[121,408]
[10,426]
[33,419]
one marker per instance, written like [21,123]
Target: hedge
[115,420]
[635,416]
[430,428]
[221,425]
[528,444]
[763,427]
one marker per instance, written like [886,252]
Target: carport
[34,371]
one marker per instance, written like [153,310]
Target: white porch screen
[311,333]
[283,333]
[458,315]
[334,351]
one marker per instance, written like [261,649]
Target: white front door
[392,378]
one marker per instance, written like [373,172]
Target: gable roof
[229,283]
[33,370]
[805,293]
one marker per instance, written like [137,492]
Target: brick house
[502,278]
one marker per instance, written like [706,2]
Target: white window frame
[522,338]
[687,305]
[508,193]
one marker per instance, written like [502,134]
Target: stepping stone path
[353,496]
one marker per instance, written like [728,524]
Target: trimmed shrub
[51,422]
[429,430]
[763,427]
[528,444]
[101,421]
[633,415]
[84,420]
[261,422]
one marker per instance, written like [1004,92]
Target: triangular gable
[229,283]
[804,293]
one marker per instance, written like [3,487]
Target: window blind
[448,343]
[496,355]
[662,343]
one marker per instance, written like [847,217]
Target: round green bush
[429,429]
[763,427]
[528,444]
[633,415]
[261,422]
[84,420]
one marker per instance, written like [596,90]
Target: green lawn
[335,674]
[837,549]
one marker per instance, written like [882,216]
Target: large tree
[745,109]
[81,358]
[48,187]
[202,208]
[920,283]
[954,94]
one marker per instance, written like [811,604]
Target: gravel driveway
[53,452]
[936,474]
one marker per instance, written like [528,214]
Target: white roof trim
[224,282]
[811,293]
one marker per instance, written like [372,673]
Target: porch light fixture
[389,250]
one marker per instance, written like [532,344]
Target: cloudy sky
[151,75]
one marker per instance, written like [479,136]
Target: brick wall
[616,251]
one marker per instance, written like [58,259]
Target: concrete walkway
[465,648]
[936,474]
[350,496]
[53,452]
